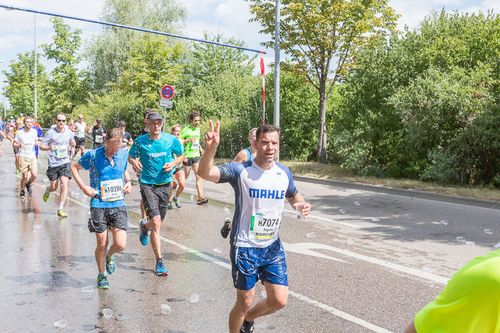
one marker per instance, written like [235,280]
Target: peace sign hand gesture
[212,138]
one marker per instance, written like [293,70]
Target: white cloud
[413,12]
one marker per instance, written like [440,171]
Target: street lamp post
[276,114]
[35,100]
[3,99]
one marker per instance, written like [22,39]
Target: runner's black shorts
[80,142]
[155,199]
[191,161]
[54,173]
[103,218]
[179,168]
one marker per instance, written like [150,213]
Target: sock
[61,205]
[158,260]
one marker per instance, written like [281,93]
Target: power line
[110,24]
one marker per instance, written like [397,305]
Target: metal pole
[276,114]
[3,99]
[35,69]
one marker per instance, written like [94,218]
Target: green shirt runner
[191,148]
[469,303]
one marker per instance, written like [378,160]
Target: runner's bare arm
[75,171]
[16,144]
[136,163]
[170,165]
[298,200]
[45,147]
[128,183]
[241,156]
[206,168]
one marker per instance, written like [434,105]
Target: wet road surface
[365,262]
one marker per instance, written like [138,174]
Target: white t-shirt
[61,141]
[80,130]
[259,201]
[29,139]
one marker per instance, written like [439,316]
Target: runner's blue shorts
[251,264]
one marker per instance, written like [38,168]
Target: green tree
[407,98]
[219,82]
[151,64]
[113,106]
[67,86]
[320,37]
[108,53]
[299,135]
[20,83]
[235,100]
[205,61]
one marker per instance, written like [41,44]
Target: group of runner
[261,186]
[469,302]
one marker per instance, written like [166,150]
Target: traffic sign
[167,92]
[165,103]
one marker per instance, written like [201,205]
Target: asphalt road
[365,261]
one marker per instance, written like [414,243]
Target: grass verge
[328,171]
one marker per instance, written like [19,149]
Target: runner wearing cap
[154,155]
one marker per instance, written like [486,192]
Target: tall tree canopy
[108,53]
[320,37]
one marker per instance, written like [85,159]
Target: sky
[230,17]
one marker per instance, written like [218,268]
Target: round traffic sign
[167,92]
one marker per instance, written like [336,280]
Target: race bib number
[61,151]
[112,190]
[99,139]
[195,145]
[28,148]
[264,225]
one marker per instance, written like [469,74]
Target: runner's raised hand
[212,138]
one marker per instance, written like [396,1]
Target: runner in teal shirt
[153,155]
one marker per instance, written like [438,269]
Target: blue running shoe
[110,264]
[161,269]
[144,235]
[102,281]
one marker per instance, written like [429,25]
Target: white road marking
[339,313]
[313,217]
[305,248]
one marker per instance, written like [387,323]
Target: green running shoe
[102,281]
[110,264]
[61,213]
[46,195]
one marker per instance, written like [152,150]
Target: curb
[403,192]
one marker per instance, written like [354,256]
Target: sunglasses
[61,120]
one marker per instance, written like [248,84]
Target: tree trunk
[322,143]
